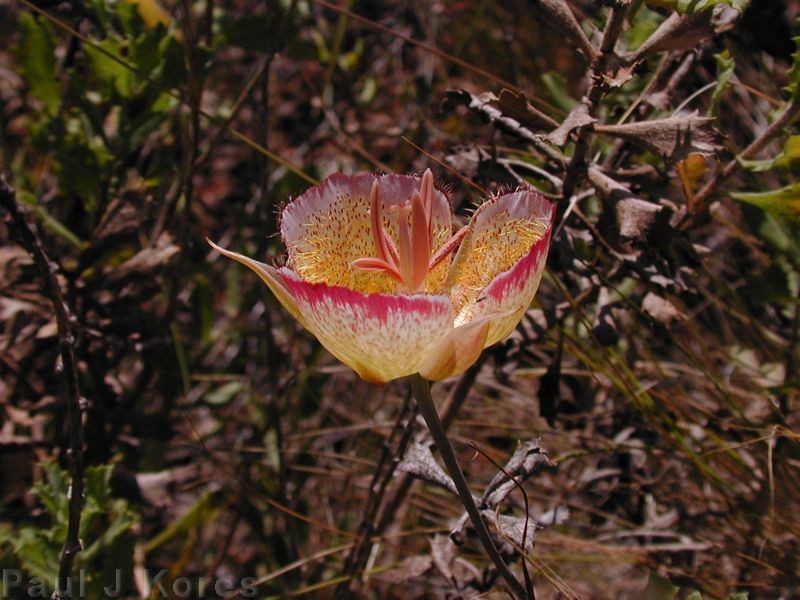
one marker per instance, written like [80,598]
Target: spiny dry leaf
[607,187]
[618,73]
[419,462]
[637,219]
[528,459]
[514,529]
[121,216]
[516,106]
[560,15]
[673,138]
[682,32]
[578,117]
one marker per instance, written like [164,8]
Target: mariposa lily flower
[375,272]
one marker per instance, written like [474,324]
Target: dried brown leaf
[419,462]
[413,566]
[528,459]
[578,117]
[513,529]
[637,218]
[683,32]
[661,309]
[517,107]
[559,14]
[147,259]
[674,138]
[457,571]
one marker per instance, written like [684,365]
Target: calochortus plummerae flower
[376,273]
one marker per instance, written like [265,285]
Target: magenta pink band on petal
[380,336]
[530,265]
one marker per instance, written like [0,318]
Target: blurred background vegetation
[658,365]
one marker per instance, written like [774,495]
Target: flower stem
[422,393]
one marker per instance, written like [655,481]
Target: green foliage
[794,72]
[725,67]
[693,7]
[789,158]
[784,202]
[659,588]
[105,531]
[36,56]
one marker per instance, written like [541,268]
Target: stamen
[376,222]
[426,193]
[405,243]
[410,261]
[448,247]
[376,265]
[421,242]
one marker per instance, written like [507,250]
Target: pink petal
[268,275]
[329,226]
[500,262]
[456,351]
[380,336]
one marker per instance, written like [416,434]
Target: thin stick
[66,340]
[528,581]
[422,393]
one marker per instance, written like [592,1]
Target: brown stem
[597,89]
[422,393]
[66,340]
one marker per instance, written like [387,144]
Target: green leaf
[36,56]
[789,158]
[659,588]
[794,73]
[725,66]
[49,221]
[692,7]
[224,394]
[111,72]
[783,202]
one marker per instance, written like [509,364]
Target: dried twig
[75,404]
[384,471]
[597,89]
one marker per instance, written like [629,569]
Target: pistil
[410,263]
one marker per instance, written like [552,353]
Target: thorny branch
[75,403]
[597,89]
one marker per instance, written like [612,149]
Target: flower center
[413,258]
